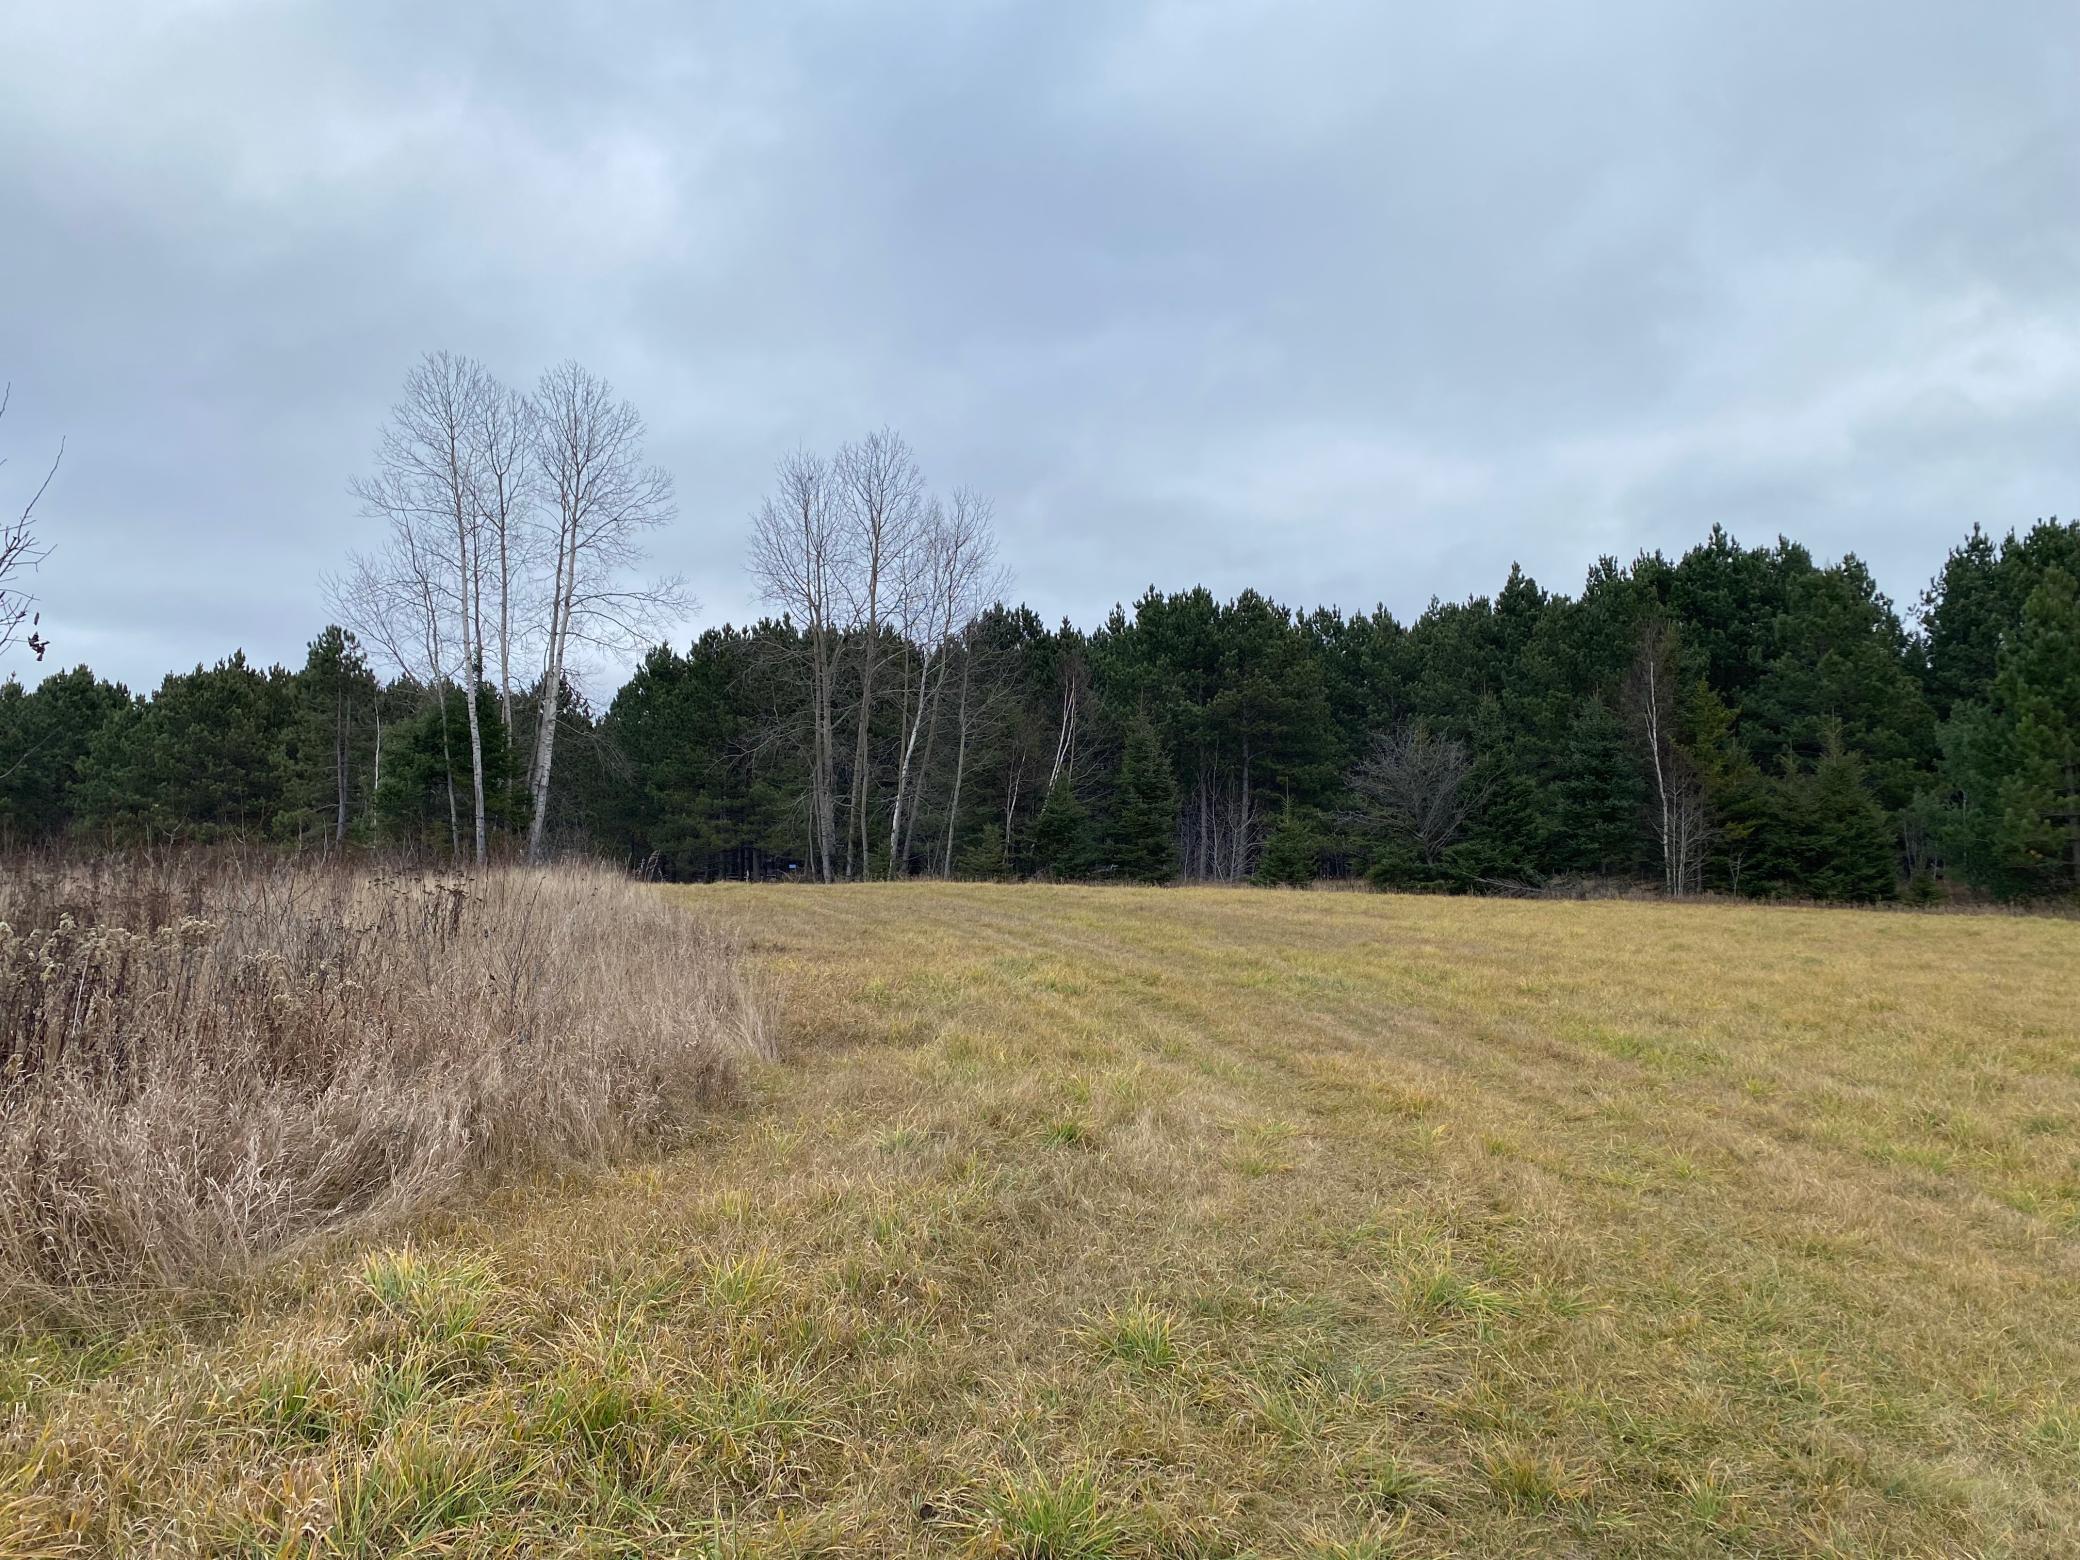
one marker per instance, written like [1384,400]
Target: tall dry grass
[204,1058]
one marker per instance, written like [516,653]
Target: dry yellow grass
[1120,1223]
[204,1058]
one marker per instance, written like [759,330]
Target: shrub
[205,1058]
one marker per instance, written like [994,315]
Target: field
[1170,1223]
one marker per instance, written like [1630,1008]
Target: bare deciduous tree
[599,498]
[20,553]
[1220,822]
[506,479]
[876,578]
[796,558]
[1679,816]
[881,501]
[1073,682]
[957,577]
[427,483]
[1417,788]
[537,504]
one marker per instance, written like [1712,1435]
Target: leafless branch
[1417,788]
[20,553]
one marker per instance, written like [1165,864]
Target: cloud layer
[1353,303]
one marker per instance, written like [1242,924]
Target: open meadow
[1106,1222]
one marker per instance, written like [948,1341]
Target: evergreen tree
[1820,833]
[1291,856]
[1142,842]
[1838,656]
[687,783]
[1599,798]
[1977,602]
[424,797]
[1850,843]
[1063,841]
[417,801]
[1505,834]
[45,738]
[208,756]
[1964,612]
[2015,761]
[335,705]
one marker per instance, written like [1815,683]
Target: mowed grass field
[1086,1222]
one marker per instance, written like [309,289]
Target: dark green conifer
[1143,838]
[1291,857]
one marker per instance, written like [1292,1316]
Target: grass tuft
[1067,1133]
[1525,1476]
[1387,1483]
[1039,1518]
[1138,1335]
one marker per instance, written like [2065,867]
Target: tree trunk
[960,760]
[823,742]
[343,712]
[898,844]
[924,764]
[1011,803]
[858,824]
[448,775]
[505,632]
[552,688]
[472,669]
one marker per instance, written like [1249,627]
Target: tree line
[1741,720]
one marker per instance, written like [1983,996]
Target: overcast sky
[1354,303]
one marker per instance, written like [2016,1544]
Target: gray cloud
[1350,302]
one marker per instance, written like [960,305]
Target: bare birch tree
[426,485]
[506,480]
[880,495]
[880,583]
[20,553]
[964,731]
[1073,683]
[599,498]
[796,558]
[1678,805]
[1416,788]
[957,578]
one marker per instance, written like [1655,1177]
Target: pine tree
[1290,857]
[2016,760]
[1062,842]
[1849,846]
[205,758]
[1598,800]
[1142,842]
[334,705]
[46,737]
[689,788]
[415,801]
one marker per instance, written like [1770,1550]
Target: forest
[1743,720]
